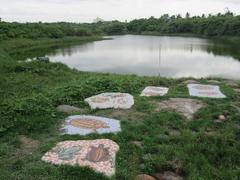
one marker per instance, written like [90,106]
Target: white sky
[87,10]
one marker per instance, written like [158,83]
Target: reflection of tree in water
[65,50]
[223,48]
[71,49]
[216,47]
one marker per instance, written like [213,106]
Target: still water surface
[153,55]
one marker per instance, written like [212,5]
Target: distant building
[98,20]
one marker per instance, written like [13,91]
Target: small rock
[231,83]
[144,177]
[222,118]
[214,82]
[190,81]
[209,132]
[138,143]
[174,132]
[167,176]
[237,90]
[67,109]
[43,59]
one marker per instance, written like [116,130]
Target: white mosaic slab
[83,125]
[111,100]
[154,91]
[209,91]
[99,155]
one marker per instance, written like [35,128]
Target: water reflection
[131,54]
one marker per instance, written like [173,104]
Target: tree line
[226,24]
[41,30]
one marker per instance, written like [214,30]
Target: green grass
[29,95]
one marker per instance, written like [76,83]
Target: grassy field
[29,122]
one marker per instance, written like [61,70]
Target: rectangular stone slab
[208,91]
[154,91]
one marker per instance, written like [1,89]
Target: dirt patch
[28,145]
[127,114]
[167,176]
[186,107]
[176,165]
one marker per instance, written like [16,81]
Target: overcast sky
[87,10]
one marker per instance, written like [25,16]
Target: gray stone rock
[222,118]
[67,109]
[43,59]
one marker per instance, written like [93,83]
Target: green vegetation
[30,92]
[41,30]
[218,25]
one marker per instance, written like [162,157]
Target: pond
[153,56]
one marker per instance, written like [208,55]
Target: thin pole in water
[159,60]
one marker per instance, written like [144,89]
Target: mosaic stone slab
[209,91]
[186,107]
[154,91]
[111,100]
[83,125]
[99,155]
